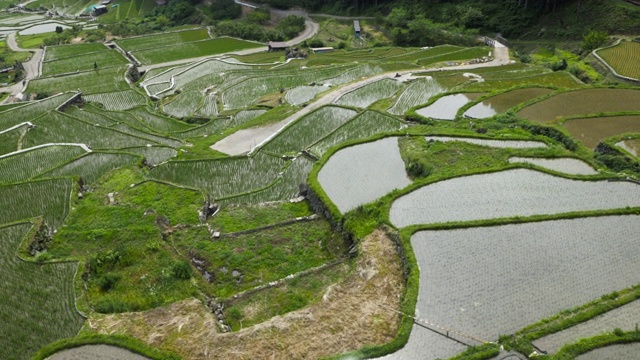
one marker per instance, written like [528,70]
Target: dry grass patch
[354,313]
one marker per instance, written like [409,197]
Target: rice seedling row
[504,144]
[244,116]
[222,177]
[39,299]
[48,198]
[162,40]
[121,100]
[362,126]
[192,49]
[209,67]
[26,165]
[83,62]
[183,105]
[92,166]
[351,75]
[465,284]
[304,93]
[463,54]
[153,155]
[149,139]
[623,58]
[60,128]
[64,51]
[212,127]
[9,140]
[32,111]
[619,351]
[624,317]
[418,92]
[308,130]
[209,106]
[90,117]
[417,55]
[159,123]
[98,81]
[362,173]
[509,193]
[284,188]
[364,96]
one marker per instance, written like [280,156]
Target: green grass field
[83,62]
[160,40]
[192,49]
[91,82]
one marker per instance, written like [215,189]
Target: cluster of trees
[252,27]
[64,36]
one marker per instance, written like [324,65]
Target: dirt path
[249,140]
[353,313]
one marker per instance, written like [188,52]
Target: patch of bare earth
[354,313]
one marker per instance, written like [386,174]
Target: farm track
[249,140]
[31,67]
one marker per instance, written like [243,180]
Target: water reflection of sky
[446,107]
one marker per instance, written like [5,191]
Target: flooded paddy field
[582,102]
[516,192]
[503,102]
[504,144]
[98,352]
[632,146]
[360,174]
[446,107]
[426,344]
[613,352]
[489,281]
[564,165]
[625,317]
[590,131]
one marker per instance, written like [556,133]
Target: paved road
[249,140]
[31,67]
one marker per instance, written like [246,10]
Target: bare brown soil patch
[354,313]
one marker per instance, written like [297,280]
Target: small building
[277,46]
[105,2]
[321,50]
[99,10]
[161,2]
[356,27]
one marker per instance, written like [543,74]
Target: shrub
[107,281]
[315,43]
[181,270]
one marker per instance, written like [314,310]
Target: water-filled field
[360,174]
[488,281]
[425,344]
[564,165]
[102,352]
[503,102]
[446,107]
[418,92]
[582,102]
[632,146]
[624,317]
[516,192]
[505,144]
[612,352]
[590,131]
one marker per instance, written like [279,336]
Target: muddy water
[590,131]
[361,174]
[487,281]
[446,107]
[503,102]
[582,102]
[632,146]
[96,352]
[516,192]
[564,165]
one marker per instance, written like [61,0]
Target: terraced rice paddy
[120,100]
[427,345]
[623,58]
[364,96]
[489,281]
[446,107]
[192,49]
[91,82]
[84,62]
[612,352]
[582,102]
[503,102]
[184,104]
[624,317]
[590,131]
[161,40]
[514,144]
[48,198]
[159,123]
[93,166]
[509,193]
[244,116]
[563,165]
[418,92]
[32,111]
[28,164]
[39,299]
[360,174]
[302,94]
[632,146]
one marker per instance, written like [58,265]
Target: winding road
[31,67]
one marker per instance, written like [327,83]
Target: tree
[59,29]
[593,40]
